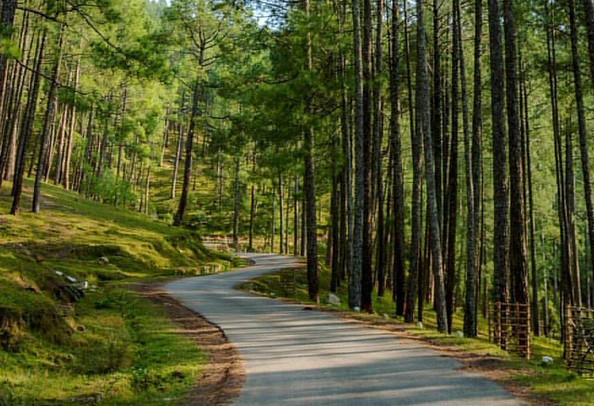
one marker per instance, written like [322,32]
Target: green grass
[122,351]
[112,344]
[554,383]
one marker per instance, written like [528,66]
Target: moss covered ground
[70,333]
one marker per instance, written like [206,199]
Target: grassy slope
[111,344]
[554,383]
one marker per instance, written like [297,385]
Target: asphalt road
[298,357]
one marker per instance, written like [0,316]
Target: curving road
[297,357]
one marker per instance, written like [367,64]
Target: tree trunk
[473,174]
[358,231]
[500,187]
[27,126]
[518,250]
[236,206]
[417,138]
[183,202]
[398,265]
[583,142]
[45,135]
[310,186]
[424,129]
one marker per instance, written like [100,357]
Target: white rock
[357,309]
[547,361]
[385,316]
[420,325]
[272,294]
[104,260]
[59,273]
[459,334]
[85,285]
[71,279]
[333,299]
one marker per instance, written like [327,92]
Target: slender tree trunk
[6,22]
[27,126]
[500,186]
[310,186]
[470,313]
[518,250]
[358,231]
[45,135]
[583,142]
[417,138]
[295,217]
[424,119]
[367,254]
[398,267]
[281,211]
[236,206]
[183,202]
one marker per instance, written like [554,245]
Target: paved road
[297,357]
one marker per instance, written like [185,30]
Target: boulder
[333,299]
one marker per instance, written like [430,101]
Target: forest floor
[528,380]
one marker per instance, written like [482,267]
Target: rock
[59,273]
[546,361]
[272,294]
[420,325]
[81,329]
[71,279]
[357,309]
[333,299]
[385,316]
[459,334]
[104,261]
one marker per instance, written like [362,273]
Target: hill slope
[68,329]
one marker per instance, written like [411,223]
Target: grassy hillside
[69,332]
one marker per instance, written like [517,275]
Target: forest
[431,154]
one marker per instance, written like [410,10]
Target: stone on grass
[333,299]
[385,316]
[546,361]
[71,279]
[357,309]
[59,273]
[272,294]
[420,325]
[103,261]
[459,334]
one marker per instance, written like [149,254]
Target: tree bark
[27,126]
[424,128]
[500,186]
[398,266]
[183,202]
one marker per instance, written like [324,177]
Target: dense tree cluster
[427,147]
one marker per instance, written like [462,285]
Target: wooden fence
[510,328]
[580,340]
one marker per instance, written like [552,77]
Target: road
[298,357]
